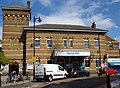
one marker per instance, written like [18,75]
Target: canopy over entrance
[69,52]
[114,61]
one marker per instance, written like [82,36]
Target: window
[37,43]
[98,62]
[49,43]
[60,68]
[75,65]
[110,44]
[71,43]
[96,43]
[87,63]
[65,43]
[86,43]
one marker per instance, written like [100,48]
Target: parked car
[107,70]
[77,72]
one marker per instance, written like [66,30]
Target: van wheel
[38,80]
[50,78]
[65,76]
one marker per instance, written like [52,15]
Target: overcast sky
[106,13]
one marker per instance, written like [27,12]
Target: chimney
[28,4]
[93,25]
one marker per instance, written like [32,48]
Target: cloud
[76,12]
[45,2]
[117,38]
[42,2]
[102,21]
[114,1]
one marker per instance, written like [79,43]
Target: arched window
[110,44]
[49,42]
[75,63]
[96,43]
[37,42]
[86,43]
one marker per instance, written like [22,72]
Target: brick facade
[18,39]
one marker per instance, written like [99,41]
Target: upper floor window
[96,43]
[65,43]
[71,43]
[86,43]
[37,42]
[110,44]
[49,43]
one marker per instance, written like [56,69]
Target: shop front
[114,63]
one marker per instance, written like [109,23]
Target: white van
[49,72]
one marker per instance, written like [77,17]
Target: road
[80,82]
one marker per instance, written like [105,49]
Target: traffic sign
[33,58]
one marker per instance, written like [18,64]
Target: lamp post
[39,20]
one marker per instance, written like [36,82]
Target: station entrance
[71,62]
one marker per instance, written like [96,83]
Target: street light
[39,20]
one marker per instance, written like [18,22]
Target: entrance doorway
[75,63]
[14,67]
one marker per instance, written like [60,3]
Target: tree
[3,60]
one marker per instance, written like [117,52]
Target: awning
[114,61]
[70,52]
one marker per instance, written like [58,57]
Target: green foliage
[3,59]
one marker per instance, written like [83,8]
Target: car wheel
[50,78]
[99,74]
[88,74]
[77,75]
[107,74]
[115,73]
[65,76]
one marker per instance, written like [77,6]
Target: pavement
[114,84]
[3,81]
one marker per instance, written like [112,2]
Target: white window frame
[48,46]
[87,63]
[96,43]
[86,43]
[110,44]
[38,44]
[98,61]
[65,44]
[71,44]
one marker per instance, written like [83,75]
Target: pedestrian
[1,70]
[82,66]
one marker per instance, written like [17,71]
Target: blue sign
[114,63]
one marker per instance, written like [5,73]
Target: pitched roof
[15,7]
[64,27]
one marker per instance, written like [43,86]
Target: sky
[105,13]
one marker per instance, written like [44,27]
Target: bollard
[108,81]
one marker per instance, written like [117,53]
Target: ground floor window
[75,65]
[87,63]
[98,63]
